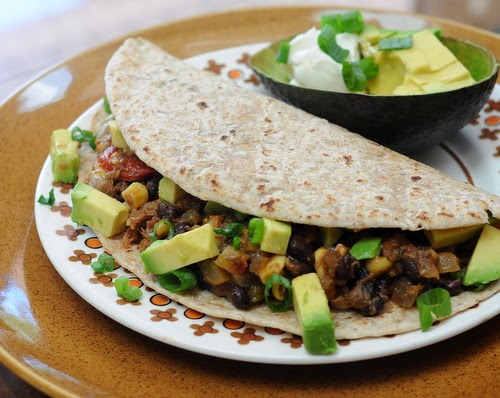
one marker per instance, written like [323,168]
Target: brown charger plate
[57,342]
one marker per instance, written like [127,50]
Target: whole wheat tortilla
[265,158]
[260,156]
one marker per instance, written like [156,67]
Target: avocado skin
[405,124]
[409,128]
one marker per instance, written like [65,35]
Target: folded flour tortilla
[262,157]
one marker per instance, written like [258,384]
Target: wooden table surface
[34,40]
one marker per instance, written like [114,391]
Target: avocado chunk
[97,210]
[439,238]
[312,310]
[484,265]
[330,235]
[184,249]
[426,67]
[169,191]
[276,236]
[64,156]
[116,135]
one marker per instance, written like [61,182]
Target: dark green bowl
[405,123]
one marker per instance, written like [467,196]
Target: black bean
[239,297]
[300,249]
[167,211]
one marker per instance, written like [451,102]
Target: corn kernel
[135,195]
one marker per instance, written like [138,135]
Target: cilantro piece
[49,200]
[81,135]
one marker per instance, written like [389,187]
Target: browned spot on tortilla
[214,182]
[343,343]
[182,170]
[269,131]
[268,119]
[360,180]
[202,105]
[445,214]
[422,216]
[232,131]
[475,215]
[378,197]
[223,138]
[269,204]
[416,178]
[348,159]
[312,130]
[146,149]
[260,187]
[307,183]
[308,217]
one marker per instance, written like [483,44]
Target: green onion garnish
[328,44]
[356,74]
[105,263]
[80,135]
[366,248]
[283,53]
[179,280]
[47,200]
[351,22]
[395,43]
[274,304]
[435,301]
[123,288]
[107,107]
[171,230]
[256,230]
[237,243]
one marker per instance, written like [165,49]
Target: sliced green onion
[350,21]
[283,53]
[328,44]
[395,43]
[171,230]
[232,230]
[256,230]
[179,280]
[123,288]
[237,242]
[366,248]
[357,74]
[47,200]
[107,107]
[104,263]
[274,304]
[80,135]
[435,301]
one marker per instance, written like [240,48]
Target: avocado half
[405,123]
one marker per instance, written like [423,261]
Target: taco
[191,152]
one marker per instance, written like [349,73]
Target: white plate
[473,155]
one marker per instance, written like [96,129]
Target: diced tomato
[135,169]
[104,158]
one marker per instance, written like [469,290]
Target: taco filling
[358,270]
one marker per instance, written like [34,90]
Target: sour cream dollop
[312,68]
